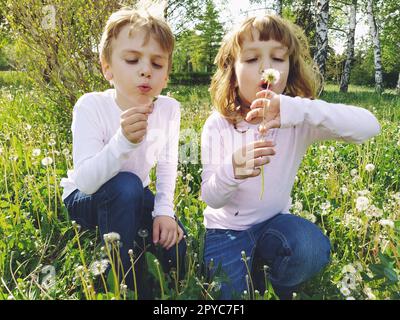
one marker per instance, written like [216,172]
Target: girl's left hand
[272,116]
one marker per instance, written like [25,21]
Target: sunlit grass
[358,207]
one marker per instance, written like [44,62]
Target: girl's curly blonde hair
[304,79]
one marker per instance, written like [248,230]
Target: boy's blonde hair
[303,80]
[138,20]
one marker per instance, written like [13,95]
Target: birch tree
[376,45]
[344,82]
[322,17]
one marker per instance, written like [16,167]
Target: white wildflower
[111,237]
[99,267]
[325,206]
[349,268]
[298,206]
[362,203]
[47,161]
[369,167]
[36,152]
[386,222]
[52,142]
[344,190]
[373,211]
[270,76]
[353,172]
[349,281]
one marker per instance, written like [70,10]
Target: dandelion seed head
[270,76]
[111,237]
[386,222]
[362,203]
[99,267]
[369,167]
[47,161]
[36,152]
[143,233]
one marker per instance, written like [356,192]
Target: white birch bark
[377,47]
[278,7]
[322,16]
[398,85]
[344,81]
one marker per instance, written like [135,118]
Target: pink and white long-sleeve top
[235,204]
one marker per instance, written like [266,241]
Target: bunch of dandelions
[268,77]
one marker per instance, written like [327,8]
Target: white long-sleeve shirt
[101,151]
[235,204]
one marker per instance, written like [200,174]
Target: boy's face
[256,56]
[139,70]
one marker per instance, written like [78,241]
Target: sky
[235,11]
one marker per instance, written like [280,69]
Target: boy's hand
[134,122]
[247,159]
[166,231]
[272,111]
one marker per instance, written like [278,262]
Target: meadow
[352,192]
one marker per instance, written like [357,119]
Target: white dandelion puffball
[270,76]
[36,152]
[362,203]
[111,237]
[47,161]
[369,167]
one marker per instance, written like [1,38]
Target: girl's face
[255,56]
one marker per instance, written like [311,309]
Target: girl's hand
[272,112]
[166,231]
[247,160]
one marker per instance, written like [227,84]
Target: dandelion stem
[263,137]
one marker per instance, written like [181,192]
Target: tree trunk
[344,81]
[278,7]
[398,85]
[377,47]
[322,16]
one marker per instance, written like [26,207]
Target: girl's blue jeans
[293,248]
[122,205]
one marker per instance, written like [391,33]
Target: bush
[58,44]
[192,78]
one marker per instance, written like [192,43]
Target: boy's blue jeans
[122,205]
[293,248]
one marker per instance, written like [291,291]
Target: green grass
[38,240]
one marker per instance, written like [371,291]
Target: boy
[118,136]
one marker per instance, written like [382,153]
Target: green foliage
[197,48]
[190,78]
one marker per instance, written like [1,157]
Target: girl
[241,226]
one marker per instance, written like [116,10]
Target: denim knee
[126,187]
[307,258]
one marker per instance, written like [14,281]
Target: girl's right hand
[134,122]
[247,160]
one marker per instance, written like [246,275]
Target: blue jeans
[122,205]
[293,248]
